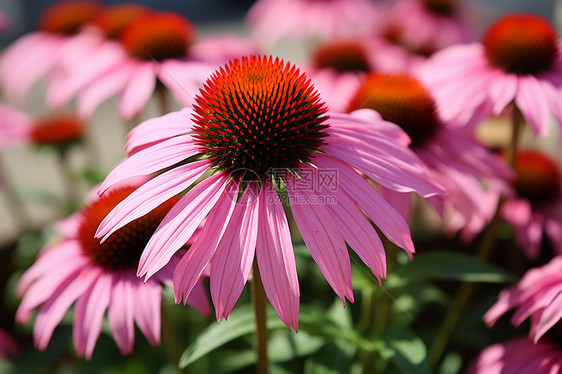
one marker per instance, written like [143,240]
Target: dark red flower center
[114,19]
[538,178]
[400,99]
[342,56]
[440,7]
[258,114]
[57,130]
[521,44]
[66,17]
[124,247]
[158,36]
[395,35]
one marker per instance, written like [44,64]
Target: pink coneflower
[37,54]
[451,155]
[537,208]
[274,20]
[518,356]
[155,48]
[518,61]
[537,296]
[336,69]
[18,128]
[98,277]
[260,129]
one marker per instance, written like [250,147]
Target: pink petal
[190,268]
[138,90]
[533,103]
[185,78]
[387,219]
[549,317]
[88,315]
[180,223]
[150,195]
[275,257]
[53,310]
[198,298]
[148,299]
[157,129]
[151,160]
[232,261]
[105,86]
[120,313]
[502,91]
[322,237]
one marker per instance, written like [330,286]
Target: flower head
[517,62]
[98,277]
[535,209]
[452,156]
[67,17]
[261,131]
[536,296]
[112,20]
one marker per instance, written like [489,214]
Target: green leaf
[240,323]
[443,265]
[405,350]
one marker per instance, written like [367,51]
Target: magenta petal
[157,129]
[121,310]
[199,299]
[105,86]
[138,90]
[53,310]
[148,299]
[387,219]
[150,195]
[322,237]
[275,257]
[232,261]
[550,316]
[151,160]
[533,103]
[190,268]
[88,315]
[180,223]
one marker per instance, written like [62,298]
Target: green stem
[170,340]
[14,203]
[259,298]
[73,196]
[483,253]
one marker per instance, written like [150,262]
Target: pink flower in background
[537,208]
[98,277]
[518,61]
[37,54]
[9,347]
[155,47]
[17,128]
[518,356]
[274,20]
[261,136]
[451,156]
[537,296]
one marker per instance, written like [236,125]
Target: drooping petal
[120,313]
[150,195]
[198,298]
[180,223]
[533,103]
[148,299]
[88,315]
[232,261]
[322,237]
[190,268]
[157,129]
[138,90]
[53,310]
[387,219]
[275,257]
[151,160]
